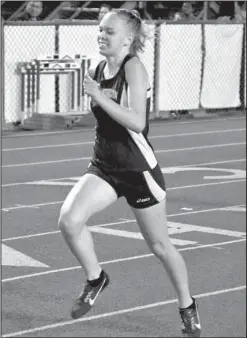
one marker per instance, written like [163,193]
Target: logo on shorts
[141,200]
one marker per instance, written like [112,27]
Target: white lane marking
[32,206]
[232,173]
[123,221]
[185,208]
[168,189]
[46,162]
[120,312]
[173,228]
[25,206]
[150,137]
[205,184]
[199,211]
[137,235]
[11,257]
[156,152]
[49,146]
[181,227]
[161,124]
[201,147]
[238,209]
[55,132]
[72,179]
[58,231]
[71,183]
[68,183]
[120,260]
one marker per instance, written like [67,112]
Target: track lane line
[181,166]
[168,189]
[123,221]
[152,125]
[113,261]
[32,206]
[158,151]
[58,231]
[150,137]
[120,312]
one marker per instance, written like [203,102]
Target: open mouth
[101,43]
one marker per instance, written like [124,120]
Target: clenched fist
[91,87]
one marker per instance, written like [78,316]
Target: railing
[192,65]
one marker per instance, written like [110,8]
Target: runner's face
[113,35]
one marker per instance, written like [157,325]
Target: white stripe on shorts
[155,189]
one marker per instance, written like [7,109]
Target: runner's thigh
[90,195]
[153,223]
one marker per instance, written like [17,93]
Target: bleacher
[52,10]
[88,10]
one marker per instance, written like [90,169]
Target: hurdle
[31,72]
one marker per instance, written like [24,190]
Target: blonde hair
[138,27]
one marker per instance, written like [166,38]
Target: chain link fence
[221,85]
[201,66]
[180,67]
[191,66]
[22,44]
[73,40]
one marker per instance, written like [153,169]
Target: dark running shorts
[141,189]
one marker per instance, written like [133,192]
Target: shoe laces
[88,296]
[86,290]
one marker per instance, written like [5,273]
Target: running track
[206,222]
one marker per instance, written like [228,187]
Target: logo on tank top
[109,92]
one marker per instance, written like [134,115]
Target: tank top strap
[99,70]
[125,60]
[124,83]
[100,67]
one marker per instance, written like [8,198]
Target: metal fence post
[57,87]
[156,86]
[2,74]
[243,70]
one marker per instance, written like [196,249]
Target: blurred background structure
[168,10]
[195,58]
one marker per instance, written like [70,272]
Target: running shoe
[191,326]
[87,297]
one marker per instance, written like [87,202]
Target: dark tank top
[116,147]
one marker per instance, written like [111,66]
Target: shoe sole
[194,334]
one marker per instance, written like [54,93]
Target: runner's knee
[161,248]
[70,223]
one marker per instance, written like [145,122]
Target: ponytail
[138,27]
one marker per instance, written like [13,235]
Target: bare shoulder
[134,68]
[135,64]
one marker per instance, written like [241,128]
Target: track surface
[206,212]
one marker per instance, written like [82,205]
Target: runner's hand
[91,87]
